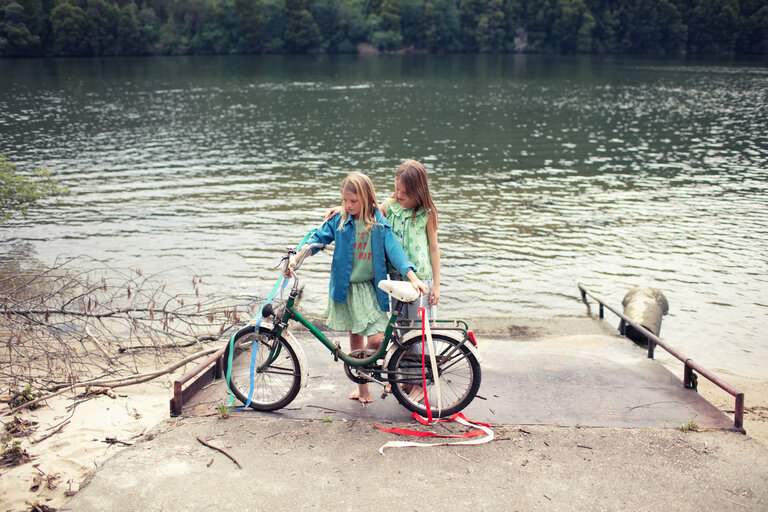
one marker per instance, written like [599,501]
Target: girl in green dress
[413,216]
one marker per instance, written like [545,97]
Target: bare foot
[364,399]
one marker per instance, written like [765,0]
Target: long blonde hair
[359,184]
[413,177]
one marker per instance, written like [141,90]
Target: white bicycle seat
[400,290]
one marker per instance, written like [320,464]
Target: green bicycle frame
[290,313]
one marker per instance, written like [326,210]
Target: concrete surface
[580,380]
[297,465]
[322,453]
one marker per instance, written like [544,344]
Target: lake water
[547,172]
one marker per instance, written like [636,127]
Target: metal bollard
[644,306]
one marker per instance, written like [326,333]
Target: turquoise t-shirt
[362,264]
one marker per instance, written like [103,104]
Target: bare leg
[363,394]
[374,341]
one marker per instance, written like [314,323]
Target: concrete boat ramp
[578,380]
[323,451]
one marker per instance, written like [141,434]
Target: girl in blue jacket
[364,244]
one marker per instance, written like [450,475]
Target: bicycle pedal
[384,392]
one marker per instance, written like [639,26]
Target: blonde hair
[413,177]
[359,184]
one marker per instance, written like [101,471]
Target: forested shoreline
[64,28]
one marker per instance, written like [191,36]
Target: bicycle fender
[417,334]
[296,346]
[299,354]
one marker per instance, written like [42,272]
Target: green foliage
[142,27]
[18,192]
[690,425]
[13,454]
[301,31]
[24,396]
[223,410]
[70,30]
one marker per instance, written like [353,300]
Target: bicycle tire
[458,369]
[275,385]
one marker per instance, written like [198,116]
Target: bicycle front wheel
[274,378]
[458,373]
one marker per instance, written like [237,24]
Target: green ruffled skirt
[361,313]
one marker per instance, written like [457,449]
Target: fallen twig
[735,503]
[333,410]
[113,440]
[98,345]
[35,441]
[464,458]
[219,450]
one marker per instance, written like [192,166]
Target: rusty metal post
[219,372]
[176,401]
[738,412]
[651,346]
[602,311]
[687,375]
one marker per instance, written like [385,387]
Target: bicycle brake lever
[290,250]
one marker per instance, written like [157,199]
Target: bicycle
[269,376]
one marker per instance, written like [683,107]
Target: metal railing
[689,364]
[209,370]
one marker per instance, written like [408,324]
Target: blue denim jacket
[384,247]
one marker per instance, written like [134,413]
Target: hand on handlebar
[294,259]
[290,265]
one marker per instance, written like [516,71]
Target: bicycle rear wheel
[276,372]
[458,372]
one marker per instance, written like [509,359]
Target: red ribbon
[424,421]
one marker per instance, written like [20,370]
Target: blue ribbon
[271,296]
[256,344]
[256,325]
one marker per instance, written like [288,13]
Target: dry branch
[220,450]
[51,319]
[115,383]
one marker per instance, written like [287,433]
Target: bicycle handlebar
[291,251]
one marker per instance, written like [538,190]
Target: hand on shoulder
[332,212]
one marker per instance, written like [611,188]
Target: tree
[70,29]
[389,12]
[19,192]
[572,28]
[301,31]
[441,26]
[753,31]
[219,29]
[712,26]
[104,17]
[470,17]
[15,37]
[250,22]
